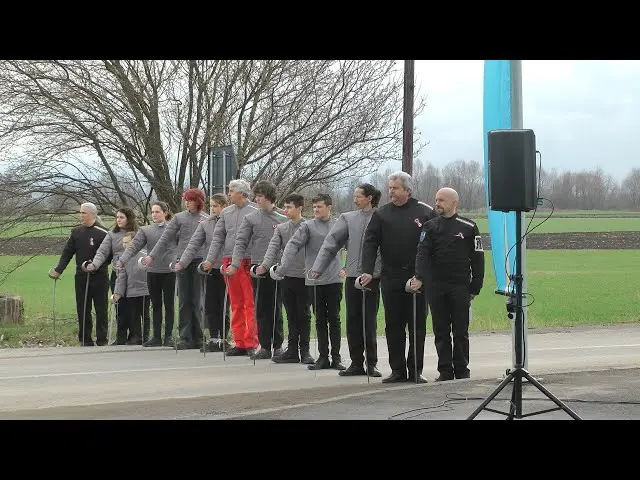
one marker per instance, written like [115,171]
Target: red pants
[243,325]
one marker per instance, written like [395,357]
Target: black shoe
[87,343]
[212,346]
[134,341]
[395,377]
[153,342]
[251,351]
[168,342]
[306,358]
[444,377]
[182,345]
[118,342]
[237,352]
[321,364]
[353,371]
[102,343]
[289,356]
[277,352]
[464,374]
[412,379]
[336,363]
[263,354]
[373,371]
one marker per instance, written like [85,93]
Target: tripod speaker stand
[519,372]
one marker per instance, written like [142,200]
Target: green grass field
[569,287]
[568,225]
[555,224]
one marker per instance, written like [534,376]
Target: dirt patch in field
[535,241]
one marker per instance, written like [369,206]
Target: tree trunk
[11,309]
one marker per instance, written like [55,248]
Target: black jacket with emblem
[84,243]
[396,230]
[450,251]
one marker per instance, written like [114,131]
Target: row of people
[263,257]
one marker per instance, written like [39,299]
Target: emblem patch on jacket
[478,243]
[417,222]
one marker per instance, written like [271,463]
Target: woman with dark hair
[112,246]
[348,232]
[179,231]
[161,280]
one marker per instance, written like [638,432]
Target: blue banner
[497,115]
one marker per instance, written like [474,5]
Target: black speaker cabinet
[512,170]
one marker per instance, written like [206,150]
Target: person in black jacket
[450,265]
[395,228]
[83,243]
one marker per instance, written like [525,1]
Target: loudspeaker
[512,170]
[223,168]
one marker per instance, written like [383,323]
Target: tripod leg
[498,389]
[551,396]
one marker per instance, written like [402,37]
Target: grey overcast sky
[585,114]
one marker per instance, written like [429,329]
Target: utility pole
[407,121]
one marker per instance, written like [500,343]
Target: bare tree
[630,188]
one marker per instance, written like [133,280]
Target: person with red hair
[179,231]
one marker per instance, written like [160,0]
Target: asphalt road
[577,364]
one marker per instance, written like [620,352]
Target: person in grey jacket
[256,229]
[130,293]
[295,294]
[112,246]
[326,290]
[179,230]
[348,231]
[213,284]
[161,281]
[239,285]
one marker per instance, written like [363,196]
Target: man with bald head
[450,265]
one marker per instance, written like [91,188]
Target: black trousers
[355,334]
[96,295]
[297,302]
[189,311]
[450,314]
[267,302]
[133,313]
[214,290]
[398,313]
[162,292]
[326,308]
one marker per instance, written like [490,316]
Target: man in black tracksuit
[450,266]
[83,243]
[395,228]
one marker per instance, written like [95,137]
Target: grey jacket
[348,231]
[112,244]
[256,228]
[309,237]
[224,235]
[132,279]
[279,240]
[200,242]
[144,241]
[179,229]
